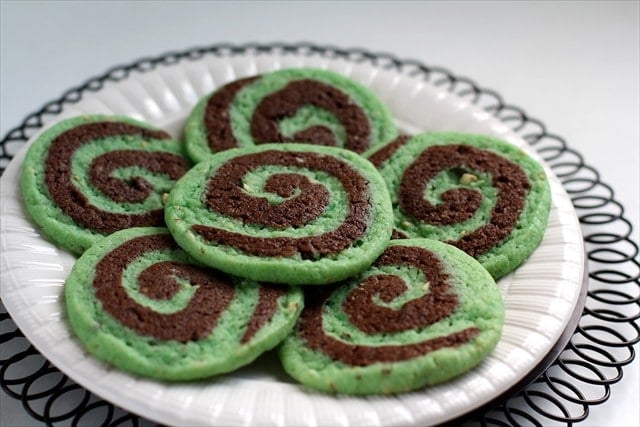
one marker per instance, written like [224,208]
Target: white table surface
[573,65]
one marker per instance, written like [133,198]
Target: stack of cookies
[293,216]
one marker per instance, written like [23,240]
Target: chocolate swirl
[308,201]
[267,306]
[286,102]
[364,314]
[460,204]
[214,292]
[385,153]
[59,176]
[217,120]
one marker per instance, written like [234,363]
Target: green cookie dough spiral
[286,213]
[480,194]
[296,105]
[90,176]
[137,301]
[422,314]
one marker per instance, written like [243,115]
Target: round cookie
[137,301]
[89,176]
[292,105]
[480,194]
[424,313]
[284,213]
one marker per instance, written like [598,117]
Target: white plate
[540,296]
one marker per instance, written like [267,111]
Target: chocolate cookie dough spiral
[425,312]
[286,213]
[137,301]
[90,176]
[480,194]
[294,105]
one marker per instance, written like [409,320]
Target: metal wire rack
[581,372]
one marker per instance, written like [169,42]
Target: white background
[573,65]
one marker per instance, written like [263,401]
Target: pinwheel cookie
[424,313]
[137,301]
[293,105]
[286,213]
[481,194]
[89,176]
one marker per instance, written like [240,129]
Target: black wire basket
[578,372]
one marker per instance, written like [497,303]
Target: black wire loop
[593,357]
